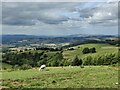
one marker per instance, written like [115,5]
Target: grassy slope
[101,49]
[58,77]
[5,65]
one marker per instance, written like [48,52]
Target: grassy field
[66,77]
[101,49]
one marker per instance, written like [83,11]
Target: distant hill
[32,39]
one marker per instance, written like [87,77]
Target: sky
[60,18]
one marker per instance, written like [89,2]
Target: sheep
[42,67]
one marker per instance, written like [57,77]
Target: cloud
[101,14]
[27,13]
[55,13]
[59,17]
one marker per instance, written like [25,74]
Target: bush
[15,67]
[92,50]
[4,68]
[25,67]
[82,66]
[114,65]
[86,50]
[76,61]
[56,60]
[88,60]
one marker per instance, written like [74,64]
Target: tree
[86,50]
[92,50]
[56,60]
[88,60]
[76,61]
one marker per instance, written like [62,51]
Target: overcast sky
[60,18]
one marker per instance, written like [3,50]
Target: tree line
[32,59]
[57,59]
[107,59]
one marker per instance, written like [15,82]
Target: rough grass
[5,65]
[66,77]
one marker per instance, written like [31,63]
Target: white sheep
[42,67]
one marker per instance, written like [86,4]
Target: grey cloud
[119,9]
[26,13]
[103,14]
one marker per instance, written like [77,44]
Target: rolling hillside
[101,49]
[67,55]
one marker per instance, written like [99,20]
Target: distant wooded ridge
[8,39]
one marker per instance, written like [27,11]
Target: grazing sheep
[42,67]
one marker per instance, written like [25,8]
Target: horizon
[62,35]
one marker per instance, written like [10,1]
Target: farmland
[100,76]
[101,49]
[64,57]
[52,44]
[66,77]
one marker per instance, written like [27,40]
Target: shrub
[76,61]
[25,67]
[4,68]
[15,67]
[82,66]
[45,55]
[88,60]
[92,50]
[86,50]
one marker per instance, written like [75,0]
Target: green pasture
[66,77]
[62,77]
[101,49]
